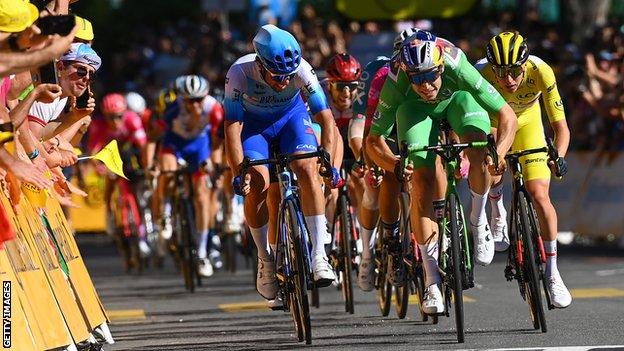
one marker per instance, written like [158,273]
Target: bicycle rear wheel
[529,267]
[184,231]
[384,291]
[345,246]
[454,216]
[299,299]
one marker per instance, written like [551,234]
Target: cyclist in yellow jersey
[523,79]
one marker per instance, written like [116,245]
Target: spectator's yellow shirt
[539,80]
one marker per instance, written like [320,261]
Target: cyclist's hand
[358,169]
[374,177]
[333,178]
[499,169]
[404,174]
[559,167]
[241,186]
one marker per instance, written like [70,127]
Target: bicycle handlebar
[285,159]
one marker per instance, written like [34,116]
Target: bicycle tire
[185,233]
[135,252]
[316,301]
[456,261]
[384,293]
[534,296]
[347,264]
[402,293]
[299,295]
[419,282]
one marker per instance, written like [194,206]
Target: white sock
[260,237]
[477,213]
[496,201]
[551,257]
[167,210]
[429,253]
[368,242]
[203,245]
[317,224]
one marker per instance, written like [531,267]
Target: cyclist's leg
[332,194]
[471,122]
[368,215]
[295,139]
[416,126]
[498,218]
[168,162]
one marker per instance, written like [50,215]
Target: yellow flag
[110,156]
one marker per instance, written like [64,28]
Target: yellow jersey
[539,81]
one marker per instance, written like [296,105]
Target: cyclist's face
[343,94]
[276,82]
[193,106]
[511,79]
[115,120]
[428,90]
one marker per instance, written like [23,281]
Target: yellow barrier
[53,301]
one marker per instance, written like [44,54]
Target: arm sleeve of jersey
[376,85]
[138,135]
[472,81]
[216,119]
[234,87]
[356,128]
[385,114]
[311,88]
[550,93]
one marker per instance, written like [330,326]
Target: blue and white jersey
[247,94]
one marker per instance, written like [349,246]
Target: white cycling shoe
[323,271]
[484,244]
[559,295]
[167,228]
[204,267]
[433,303]
[500,234]
[266,284]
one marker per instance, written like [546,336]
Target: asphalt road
[154,312]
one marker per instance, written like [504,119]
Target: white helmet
[135,102]
[422,35]
[191,86]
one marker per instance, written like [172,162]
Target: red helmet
[343,68]
[114,104]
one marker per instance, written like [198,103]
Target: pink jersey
[101,132]
[375,90]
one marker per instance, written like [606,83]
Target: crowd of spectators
[588,71]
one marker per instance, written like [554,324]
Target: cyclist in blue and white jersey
[263,106]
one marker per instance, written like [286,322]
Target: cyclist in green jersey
[429,81]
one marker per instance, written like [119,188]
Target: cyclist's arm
[383,121]
[554,109]
[234,112]
[326,120]
[491,100]
[356,134]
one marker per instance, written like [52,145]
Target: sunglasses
[280,78]
[342,85]
[504,71]
[422,77]
[193,100]
[83,72]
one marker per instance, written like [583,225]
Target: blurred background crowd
[581,40]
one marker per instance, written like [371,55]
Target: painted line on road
[609,272]
[596,293]
[244,306]
[125,315]
[563,348]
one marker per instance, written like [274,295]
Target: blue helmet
[277,49]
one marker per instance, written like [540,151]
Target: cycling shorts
[417,123]
[194,151]
[530,136]
[293,132]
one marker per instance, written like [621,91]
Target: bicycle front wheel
[529,267]
[402,293]
[299,300]
[346,226]
[454,216]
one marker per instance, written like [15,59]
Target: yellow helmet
[507,49]
[85,29]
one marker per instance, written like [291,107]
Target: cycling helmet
[343,68]
[507,49]
[418,56]
[278,50]
[135,102]
[114,104]
[420,34]
[191,87]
